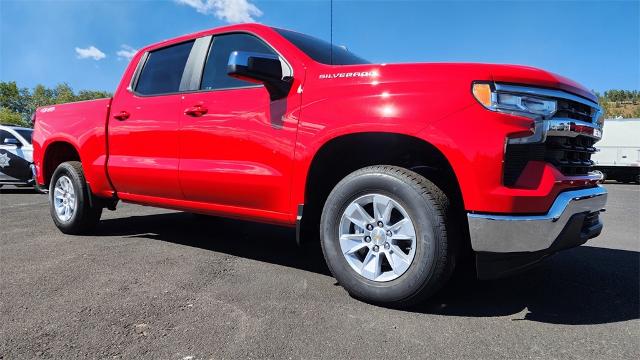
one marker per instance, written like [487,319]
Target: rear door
[144,124]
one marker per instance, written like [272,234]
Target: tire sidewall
[424,216]
[76,182]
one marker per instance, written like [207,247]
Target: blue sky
[596,43]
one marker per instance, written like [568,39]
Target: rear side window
[215,70]
[163,70]
[26,134]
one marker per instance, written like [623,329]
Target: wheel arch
[55,154]
[341,155]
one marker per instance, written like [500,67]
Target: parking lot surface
[158,284]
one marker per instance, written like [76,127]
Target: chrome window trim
[136,73]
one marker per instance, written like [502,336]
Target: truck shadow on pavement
[17,190]
[581,286]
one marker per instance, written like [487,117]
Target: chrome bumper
[525,233]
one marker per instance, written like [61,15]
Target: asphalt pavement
[158,284]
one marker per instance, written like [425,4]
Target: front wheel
[69,200]
[388,236]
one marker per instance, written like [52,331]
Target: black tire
[85,217]
[437,235]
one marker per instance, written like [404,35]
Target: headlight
[515,103]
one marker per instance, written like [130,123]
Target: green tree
[9,117]
[91,94]
[63,93]
[10,95]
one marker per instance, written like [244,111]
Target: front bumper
[506,243]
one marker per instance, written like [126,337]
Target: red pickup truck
[402,170]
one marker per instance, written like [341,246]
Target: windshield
[320,50]
[25,133]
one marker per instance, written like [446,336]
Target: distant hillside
[620,103]
[614,110]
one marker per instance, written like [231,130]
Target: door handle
[196,110]
[122,115]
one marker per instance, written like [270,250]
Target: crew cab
[402,171]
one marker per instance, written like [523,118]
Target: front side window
[162,72]
[215,70]
[320,50]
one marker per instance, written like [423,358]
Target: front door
[144,124]
[237,150]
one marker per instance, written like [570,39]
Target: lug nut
[367,239]
[369,227]
[376,248]
[380,224]
[389,233]
[387,246]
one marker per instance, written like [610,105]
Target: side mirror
[261,68]
[11,141]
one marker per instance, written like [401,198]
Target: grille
[572,156]
[574,110]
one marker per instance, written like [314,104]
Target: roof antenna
[331,34]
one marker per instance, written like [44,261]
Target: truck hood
[516,74]
[534,76]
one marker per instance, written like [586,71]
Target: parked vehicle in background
[16,156]
[403,170]
[618,157]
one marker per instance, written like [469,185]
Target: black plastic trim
[496,265]
[299,224]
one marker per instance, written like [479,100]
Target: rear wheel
[69,200]
[388,236]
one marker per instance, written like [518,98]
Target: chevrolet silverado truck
[401,171]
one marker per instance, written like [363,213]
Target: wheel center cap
[378,236]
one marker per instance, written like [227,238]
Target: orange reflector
[482,93]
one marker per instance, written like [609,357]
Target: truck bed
[81,123]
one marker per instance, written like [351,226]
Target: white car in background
[16,156]
[618,157]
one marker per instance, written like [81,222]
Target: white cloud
[126,52]
[231,11]
[90,52]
